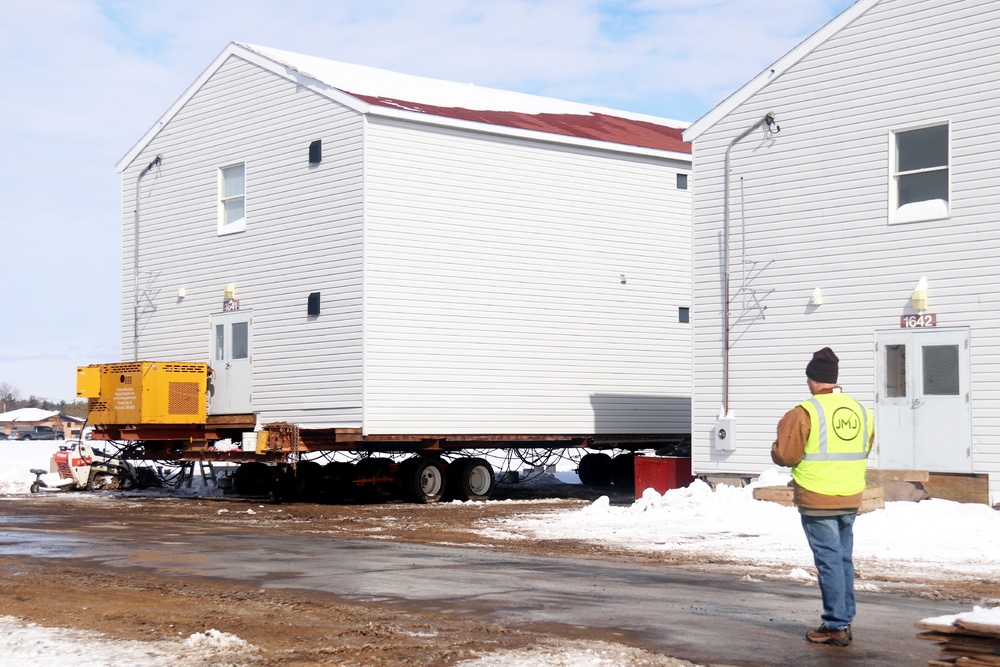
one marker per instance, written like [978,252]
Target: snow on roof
[370,90]
[27,415]
[465,101]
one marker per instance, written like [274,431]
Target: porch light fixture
[919,296]
[817,297]
[229,291]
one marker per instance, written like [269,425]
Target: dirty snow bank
[24,643]
[903,540]
[575,653]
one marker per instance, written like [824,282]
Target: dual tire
[471,479]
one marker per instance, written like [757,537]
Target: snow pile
[904,539]
[978,615]
[218,643]
[24,643]
[18,457]
[575,653]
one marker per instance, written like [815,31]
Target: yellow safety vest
[834,460]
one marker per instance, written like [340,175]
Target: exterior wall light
[919,296]
[817,297]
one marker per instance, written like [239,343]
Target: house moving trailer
[320,257]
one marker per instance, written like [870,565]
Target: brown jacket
[788,450]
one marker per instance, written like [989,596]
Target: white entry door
[923,417]
[231,358]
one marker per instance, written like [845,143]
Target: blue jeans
[831,539]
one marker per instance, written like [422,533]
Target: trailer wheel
[623,470]
[254,479]
[595,470]
[372,467]
[298,484]
[422,479]
[336,481]
[34,487]
[471,479]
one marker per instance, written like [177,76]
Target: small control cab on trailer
[35,433]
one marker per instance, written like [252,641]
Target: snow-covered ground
[904,541]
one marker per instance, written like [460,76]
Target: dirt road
[291,626]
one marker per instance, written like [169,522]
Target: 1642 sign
[918,321]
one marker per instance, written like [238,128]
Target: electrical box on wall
[724,434]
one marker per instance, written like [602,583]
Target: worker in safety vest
[825,441]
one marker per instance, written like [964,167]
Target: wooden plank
[988,631]
[960,488]
[979,661]
[985,629]
[897,475]
[966,644]
[871,499]
[776,494]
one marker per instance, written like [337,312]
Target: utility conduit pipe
[135,260]
[768,121]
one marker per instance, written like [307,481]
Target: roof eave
[780,66]
[536,135]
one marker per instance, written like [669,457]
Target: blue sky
[83,80]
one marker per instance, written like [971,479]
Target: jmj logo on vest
[846,423]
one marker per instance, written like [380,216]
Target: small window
[682,181]
[940,370]
[220,342]
[232,199]
[684,315]
[241,340]
[920,175]
[895,371]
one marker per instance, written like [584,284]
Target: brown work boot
[825,635]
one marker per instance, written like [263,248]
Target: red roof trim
[599,127]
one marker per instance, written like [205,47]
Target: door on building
[923,412]
[231,357]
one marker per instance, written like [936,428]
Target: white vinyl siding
[305,237]
[813,212]
[494,293]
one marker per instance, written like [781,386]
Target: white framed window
[921,187]
[232,199]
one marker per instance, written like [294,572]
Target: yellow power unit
[144,392]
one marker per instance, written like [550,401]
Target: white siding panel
[304,234]
[493,294]
[813,213]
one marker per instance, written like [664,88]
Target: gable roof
[374,91]
[780,66]
[27,415]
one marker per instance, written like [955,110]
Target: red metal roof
[599,127]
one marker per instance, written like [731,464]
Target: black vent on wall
[316,152]
[313,308]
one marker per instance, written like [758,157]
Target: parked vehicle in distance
[35,433]
[3,435]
